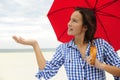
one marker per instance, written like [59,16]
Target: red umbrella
[107,13]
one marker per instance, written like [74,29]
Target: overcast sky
[26,18]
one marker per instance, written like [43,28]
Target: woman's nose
[69,24]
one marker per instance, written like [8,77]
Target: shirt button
[85,79]
[84,67]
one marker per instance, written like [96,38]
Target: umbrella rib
[103,28]
[106,5]
[107,14]
[95,4]
[62,34]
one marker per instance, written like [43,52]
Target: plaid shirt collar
[71,44]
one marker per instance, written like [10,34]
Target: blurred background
[28,19]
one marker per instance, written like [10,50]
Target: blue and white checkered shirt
[76,68]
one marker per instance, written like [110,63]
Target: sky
[28,19]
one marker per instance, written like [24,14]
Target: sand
[23,66]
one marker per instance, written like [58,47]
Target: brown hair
[89,19]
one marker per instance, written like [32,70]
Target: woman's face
[75,25]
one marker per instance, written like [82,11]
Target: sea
[25,50]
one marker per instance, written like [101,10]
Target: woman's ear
[85,27]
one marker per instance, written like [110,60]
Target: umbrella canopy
[107,14]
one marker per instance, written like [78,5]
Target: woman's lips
[70,29]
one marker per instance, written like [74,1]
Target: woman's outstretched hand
[40,58]
[24,41]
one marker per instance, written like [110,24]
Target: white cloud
[21,20]
[28,8]
[26,18]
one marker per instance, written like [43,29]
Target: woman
[74,55]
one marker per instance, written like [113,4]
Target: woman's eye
[74,21]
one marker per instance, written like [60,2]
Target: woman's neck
[81,45]
[79,41]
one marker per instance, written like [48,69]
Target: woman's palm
[24,41]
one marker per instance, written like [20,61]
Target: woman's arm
[110,69]
[47,69]
[39,56]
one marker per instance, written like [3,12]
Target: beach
[23,66]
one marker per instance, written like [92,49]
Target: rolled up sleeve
[112,57]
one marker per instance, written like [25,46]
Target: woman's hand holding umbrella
[97,62]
